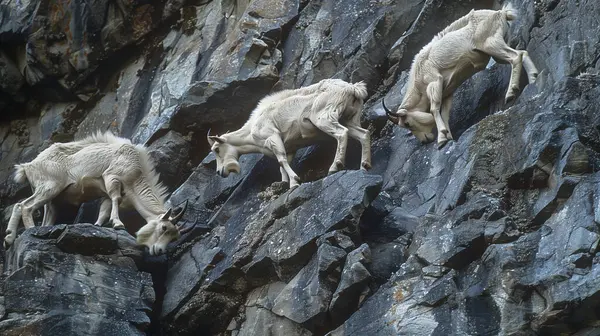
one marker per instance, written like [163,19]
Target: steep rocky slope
[497,233]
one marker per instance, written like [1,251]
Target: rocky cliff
[495,234]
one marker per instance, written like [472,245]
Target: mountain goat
[288,120]
[99,166]
[454,55]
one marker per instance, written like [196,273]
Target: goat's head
[420,124]
[226,153]
[159,232]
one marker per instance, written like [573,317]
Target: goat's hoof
[119,227]
[337,166]
[511,97]
[295,182]
[441,144]
[533,78]
[365,165]
[7,243]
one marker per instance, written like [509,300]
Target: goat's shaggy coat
[99,166]
[288,120]
[454,55]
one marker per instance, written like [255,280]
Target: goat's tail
[360,90]
[20,175]
[509,11]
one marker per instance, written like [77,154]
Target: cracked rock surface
[497,233]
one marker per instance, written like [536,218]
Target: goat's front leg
[434,93]
[446,107]
[328,123]
[113,189]
[104,212]
[276,146]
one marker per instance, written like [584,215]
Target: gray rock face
[75,280]
[495,234]
[258,243]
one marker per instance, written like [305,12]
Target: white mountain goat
[99,166]
[454,55]
[288,120]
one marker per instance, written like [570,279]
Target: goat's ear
[167,214]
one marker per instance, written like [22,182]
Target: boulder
[75,280]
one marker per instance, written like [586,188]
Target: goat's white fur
[100,166]
[288,120]
[454,55]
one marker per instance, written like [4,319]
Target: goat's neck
[146,202]
[412,97]
[243,141]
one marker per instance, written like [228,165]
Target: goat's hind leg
[284,175]
[530,68]
[49,214]
[363,136]
[24,210]
[41,196]
[13,225]
[496,47]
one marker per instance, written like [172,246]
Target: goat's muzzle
[232,167]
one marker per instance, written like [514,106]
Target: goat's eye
[407,125]
[164,228]
[217,150]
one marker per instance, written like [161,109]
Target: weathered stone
[12,80]
[170,154]
[355,277]
[306,297]
[494,234]
[206,191]
[273,241]
[260,321]
[389,257]
[188,273]
[96,285]
[355,35]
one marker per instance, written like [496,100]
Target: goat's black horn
[387,110]
[177,217]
